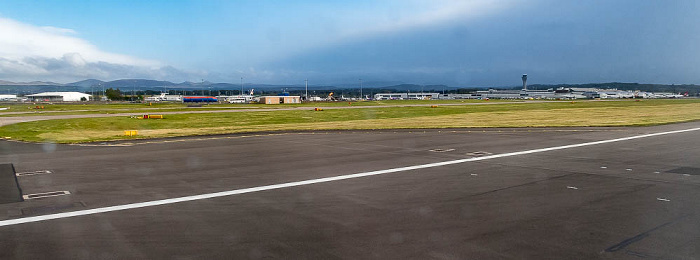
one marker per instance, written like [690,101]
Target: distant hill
[137,83]
[86,83]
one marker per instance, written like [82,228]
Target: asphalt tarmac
[627,199]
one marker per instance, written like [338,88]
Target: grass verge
[622,113]
[30,109]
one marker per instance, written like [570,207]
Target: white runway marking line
[438,150]
[20,174]
[17,221]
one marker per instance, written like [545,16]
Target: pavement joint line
[619,175]
[18,221]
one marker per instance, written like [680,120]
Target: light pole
[306,81]
[361,97]
[241,86]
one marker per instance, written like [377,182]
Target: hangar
[59,96]
[8,97]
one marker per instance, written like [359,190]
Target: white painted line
[571,187]
[603,167]
[17,221]
[662,199]
[438,150]
[657,172]
[20,174]
[474,174]
[628,169]
[103,145]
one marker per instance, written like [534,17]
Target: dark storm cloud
[554,41]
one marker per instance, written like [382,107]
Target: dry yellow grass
[603,116]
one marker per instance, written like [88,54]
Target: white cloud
[19,40]
[56,30]
[29,52]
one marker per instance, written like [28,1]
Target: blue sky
[460,43]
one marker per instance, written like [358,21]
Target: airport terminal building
[59,97]
[405,96]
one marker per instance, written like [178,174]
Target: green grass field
[30,109]
[551,114]
[111,108]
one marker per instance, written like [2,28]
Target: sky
[459,43]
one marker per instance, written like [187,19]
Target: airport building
[458,96]
[239,99]
[199,99]
[8,97]
[562,93]
[164,97]
[499,94]
[568,93]
[59,96]
[280,99]
[404,96]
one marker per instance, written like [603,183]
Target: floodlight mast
[361,97]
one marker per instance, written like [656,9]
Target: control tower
[524,81]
